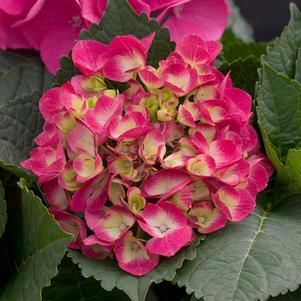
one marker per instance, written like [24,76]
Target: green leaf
[279,110]
[20,122]
[291,296]
[111,276]
[283,54]
[69,284]
[20,74]
[238,24]
[120,19]
[298,67]
[250,260]
[18,171]
[235,48]
[293,164]
[42,247]
[3,216]
[244,73]
[22,80]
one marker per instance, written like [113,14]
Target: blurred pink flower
[46,27]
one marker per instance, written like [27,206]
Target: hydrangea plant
[150,162]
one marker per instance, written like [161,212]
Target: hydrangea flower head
[150,167]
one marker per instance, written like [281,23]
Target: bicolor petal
[165,183]
[81,139]
[235,204]
[206,218]
[92,195]
[56,196]
[110,223]
[151,142]
[201,166]
[71,224]
[167,224]
[123,166]
[126,55]
[93,248]
[150,77]
[89,56]
[183,198]
[129,126]
[136,202]
[133,257]
[87,167]
[105,110]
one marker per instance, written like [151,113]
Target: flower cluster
[40,24]
[136,175]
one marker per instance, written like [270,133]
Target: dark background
[267,17]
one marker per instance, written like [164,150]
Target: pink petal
[259,175]
[183,198]
[199,190]
[81,139]
[179,78]
[93,248]
[206,218]
[194,50]
[72,224]
[201,166]
[133,257]
[51,104]
[89,56]
[92,195]
[206,18]
[93,10]
[64,40]
[130,126]
[164,183]
[47,24]
[16,7]
[170,244]
[235,204]
[152,141]
[168,225]
[110,223]
[233,174]
[87,167]
[56,196]
[162,4]
[105,110]
[241,99]
[140,6]
[224,152]
[126,55]
[150,78]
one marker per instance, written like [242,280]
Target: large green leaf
[3,216]
[120,19]
[22,79]
[111,276]
[279,110]
[69,284]
[20,122]
[250,260]
[20,74]
[291,296]
[284,52]
[42,247]
[293,165]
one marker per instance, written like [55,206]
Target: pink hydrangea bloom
[150,167]
[40,24]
